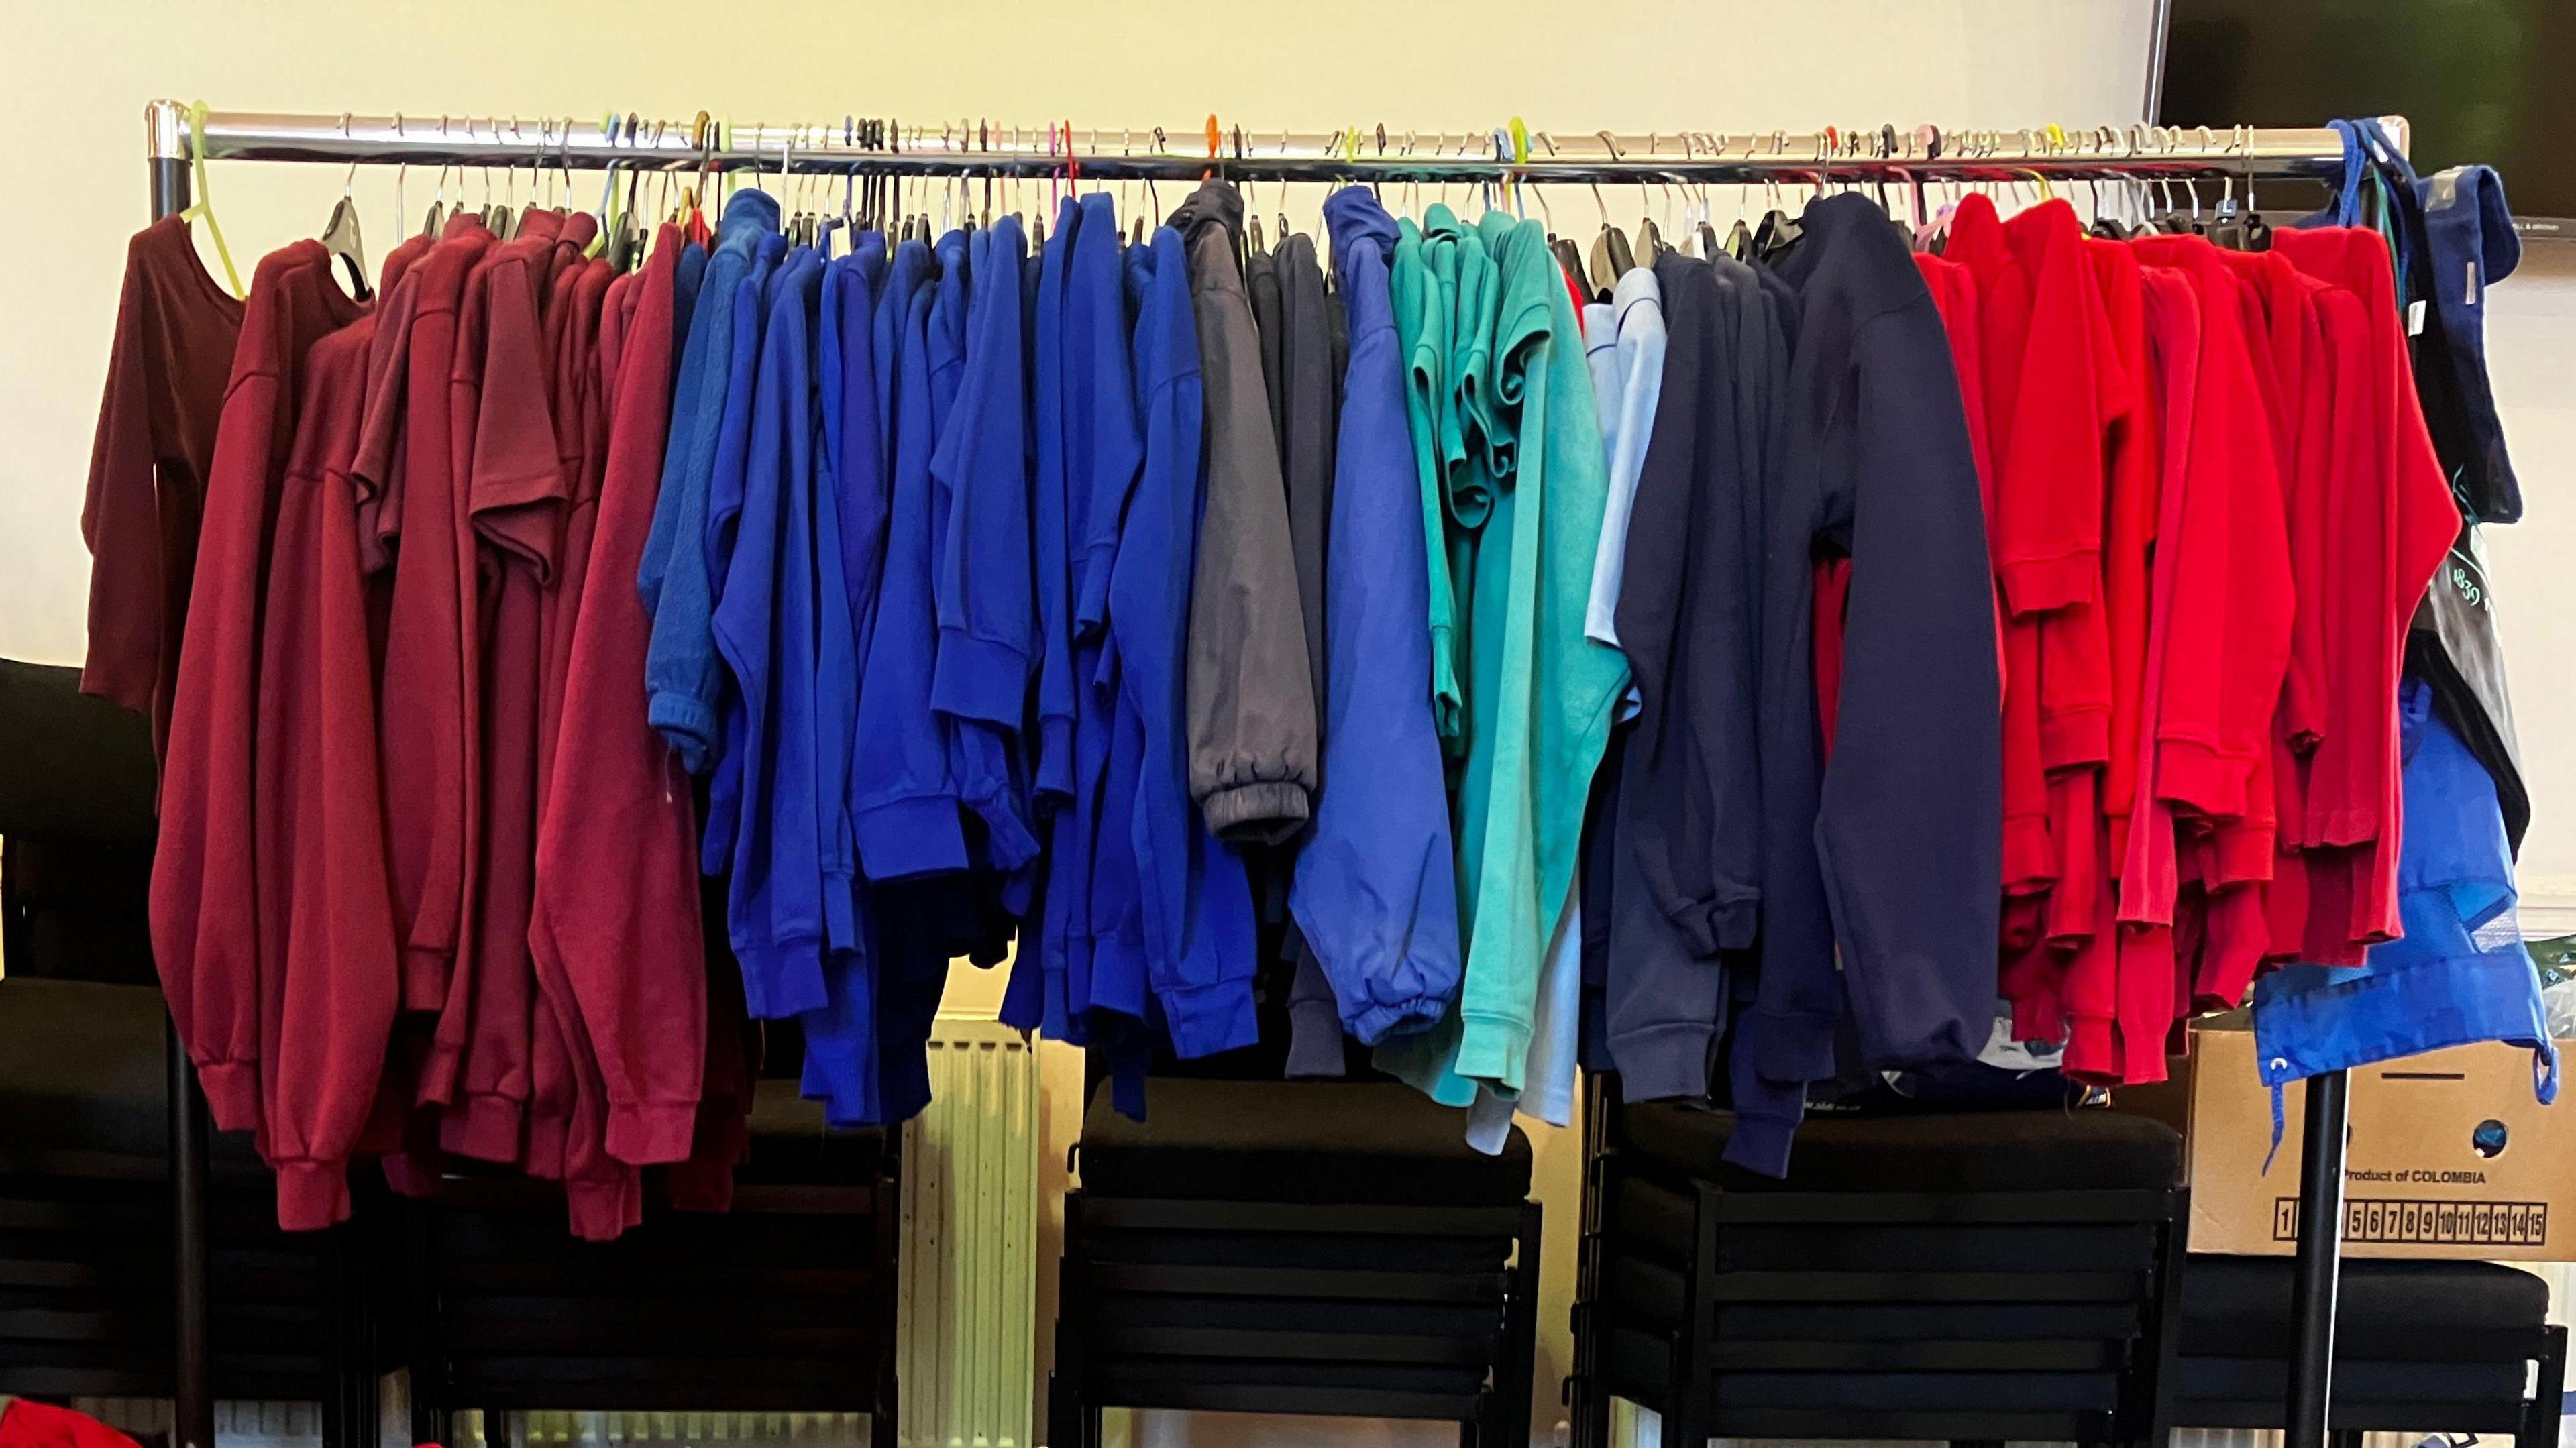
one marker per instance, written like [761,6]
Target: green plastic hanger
[202,205]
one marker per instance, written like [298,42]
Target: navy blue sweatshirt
[1893,852]
[1376,891]
[1684,857]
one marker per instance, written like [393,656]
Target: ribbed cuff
[2093,1051]
[232,1093]
[980,679]
[601,1208]
[1265,812]
[2244,854]
[1664,1063]
[2029,861]
[915,835]
[2039,584]
[689,723]
[1381,1020]
[2072,737]
[781,978]
[2200,777]
[549,1135]
[484,1126]
[1315,1041]
[311,1195]
[651,1133]
[1206,1019]
[1493,1048]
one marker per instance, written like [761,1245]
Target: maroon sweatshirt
[617,910]
[513,488]
[330,975]
[205,938]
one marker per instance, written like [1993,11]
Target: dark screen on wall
[2481,80]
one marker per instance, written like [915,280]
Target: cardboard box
[2449,1155]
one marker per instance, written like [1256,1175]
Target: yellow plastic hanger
[201,206]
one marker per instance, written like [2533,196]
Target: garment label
[2469,281]
[2415,319]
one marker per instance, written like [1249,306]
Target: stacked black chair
[2429,1347]
[1970,1278]
[786,1303]
[1303,1247]
[86,1257]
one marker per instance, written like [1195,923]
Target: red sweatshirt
[2394,487]
[424,730]
[2003,310]
[617,929]
[2150,994]
[513,488]
[175,335]
[204,890]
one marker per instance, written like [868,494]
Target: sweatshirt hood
[1353,215]
[1215,203]
[751,209]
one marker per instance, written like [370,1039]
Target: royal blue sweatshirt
[904,805]
[680,668]
[1193,929]
[765,628]
[1892,853]
[849,526]
[1036,994]
[725,487]
[1376,890]
[983,581]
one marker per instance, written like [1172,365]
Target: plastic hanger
[202,207]
[340,234]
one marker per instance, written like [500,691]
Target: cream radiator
[967,1311]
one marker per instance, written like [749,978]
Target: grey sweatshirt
[1249,692]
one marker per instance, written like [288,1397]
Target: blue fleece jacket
[765,629]
[680,668]
[982,583]
[1376,891]
[1194,928]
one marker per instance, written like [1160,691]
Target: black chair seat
[1991,1151]
[1301,1141]
[2419,1345]
[84,1068]
[2376,1292]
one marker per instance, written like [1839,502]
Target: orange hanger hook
[1213,137]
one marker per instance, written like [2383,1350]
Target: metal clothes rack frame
[978,148]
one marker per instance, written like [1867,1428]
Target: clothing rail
[977,148]
[981,148]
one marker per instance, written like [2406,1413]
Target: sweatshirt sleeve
[1251,697]
[1909,829]
[204,938]
[1894,851]
[121,516]
[1376,884]
[986,595]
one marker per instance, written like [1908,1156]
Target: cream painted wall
[73,79]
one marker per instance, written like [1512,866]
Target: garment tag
[2469,281]
[2415,319]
